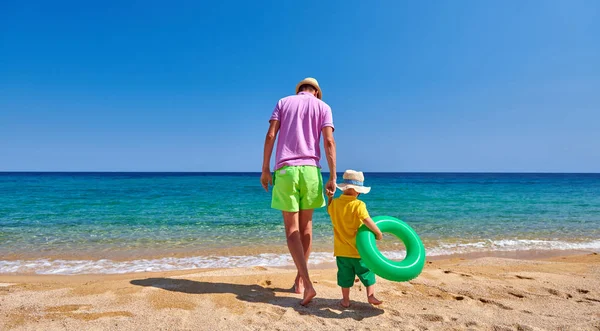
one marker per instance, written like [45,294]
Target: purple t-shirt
[301,117]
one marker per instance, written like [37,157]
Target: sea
[106,223]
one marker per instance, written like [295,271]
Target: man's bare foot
[309,294]
[345,303]
[298,285]
[373,300]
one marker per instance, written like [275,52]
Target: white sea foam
[104,266]
[507,245]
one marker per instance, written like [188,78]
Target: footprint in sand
[524,277]
[558,294]
[501,328]
[518,295]
[432,318]
[582,291]
[459,273]
[498,304]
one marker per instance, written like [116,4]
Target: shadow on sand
[325,308]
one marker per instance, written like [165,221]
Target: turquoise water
[214,219]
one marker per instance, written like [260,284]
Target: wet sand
[478,293]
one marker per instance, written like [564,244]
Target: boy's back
[347,214]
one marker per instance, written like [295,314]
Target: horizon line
[258,172]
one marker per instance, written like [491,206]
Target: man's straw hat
[312,82]
[354,179]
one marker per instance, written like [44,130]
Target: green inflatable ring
[399,271]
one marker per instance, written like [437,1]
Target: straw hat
[354,179]
[312,82]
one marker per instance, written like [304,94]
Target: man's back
[298,188]
[301,117]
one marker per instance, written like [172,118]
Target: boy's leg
[294,242]
[371,296]
[345,297]
[367,277]
[345,278]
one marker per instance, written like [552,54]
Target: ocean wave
[507,245]
[106,266]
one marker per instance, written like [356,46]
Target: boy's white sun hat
[354,179]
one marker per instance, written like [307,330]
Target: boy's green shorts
[348,267]
[297,188]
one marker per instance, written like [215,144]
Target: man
[300,119]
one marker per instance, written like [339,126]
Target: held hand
[379,235]
[266,179]
[329,194]
[330,187]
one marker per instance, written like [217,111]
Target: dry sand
[559,293]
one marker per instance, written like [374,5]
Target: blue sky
[414,86]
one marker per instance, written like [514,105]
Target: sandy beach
[485,293]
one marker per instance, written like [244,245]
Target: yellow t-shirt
[347,214]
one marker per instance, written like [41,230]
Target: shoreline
[440,247]
[320,260]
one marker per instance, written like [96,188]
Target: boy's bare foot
[345,303]
[309,294]
[373,300]
[298,285]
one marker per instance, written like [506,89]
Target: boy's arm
[329,203]
[266,178]
[373,227]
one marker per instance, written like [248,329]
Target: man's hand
[266,179]
[330,187]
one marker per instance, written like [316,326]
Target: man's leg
[306,235]
[294,242]
[306,231]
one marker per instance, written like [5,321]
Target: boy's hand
[373,227]
[329,194]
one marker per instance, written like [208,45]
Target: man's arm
[329,144]
[266,178]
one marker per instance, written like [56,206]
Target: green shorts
[297,188]
[348,267]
